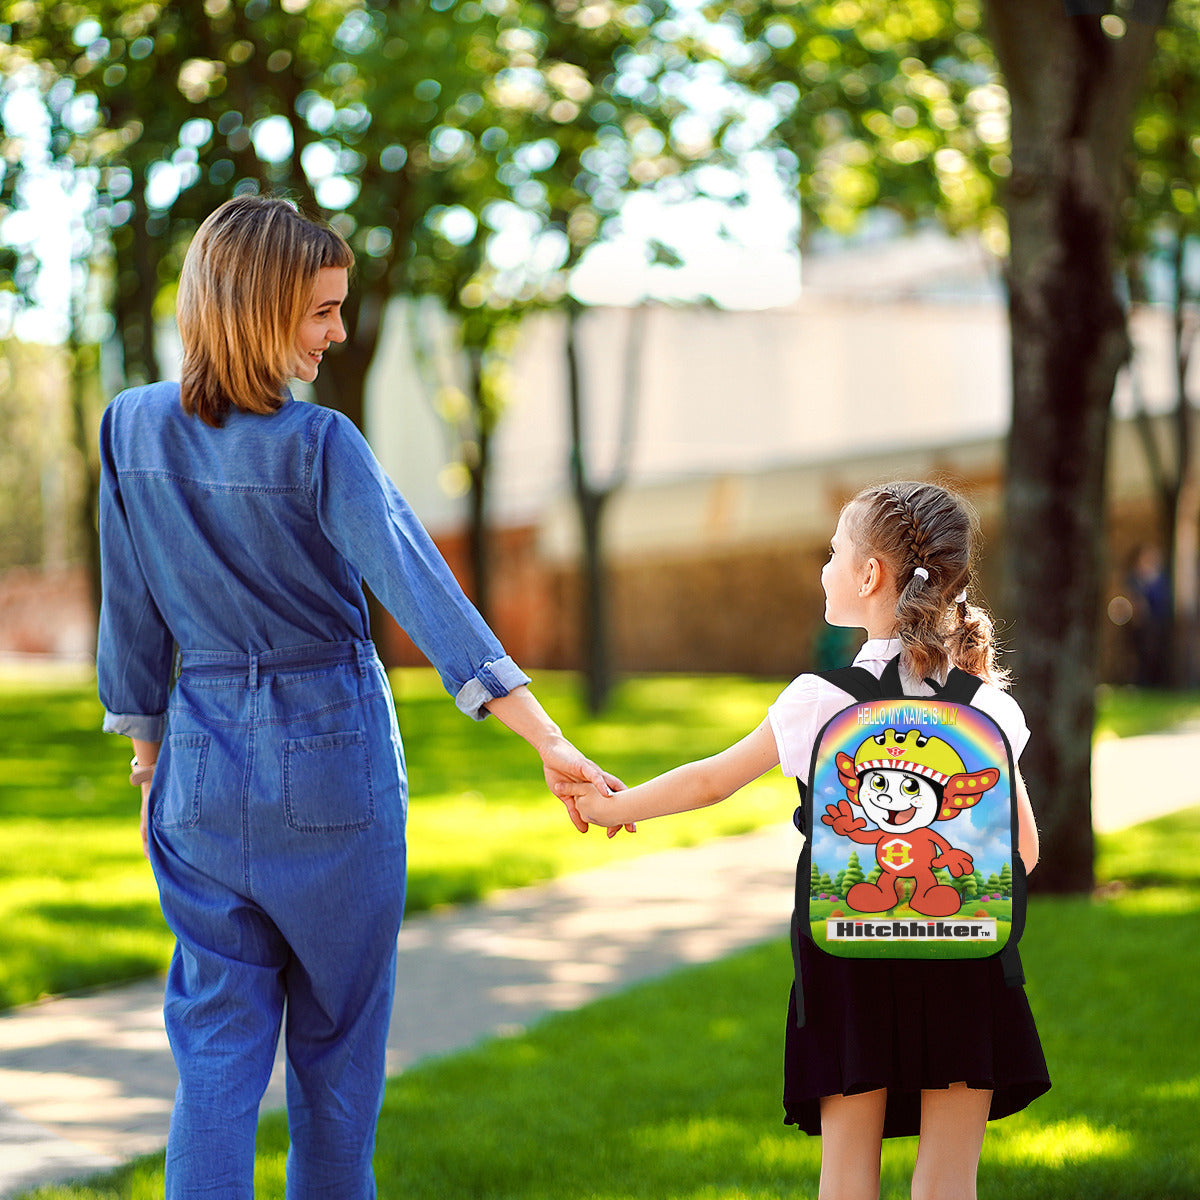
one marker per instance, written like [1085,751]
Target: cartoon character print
[904,782]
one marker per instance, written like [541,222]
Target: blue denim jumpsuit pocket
[277,840]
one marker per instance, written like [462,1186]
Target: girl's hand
[593,806]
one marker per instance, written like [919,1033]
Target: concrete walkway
[87,1081]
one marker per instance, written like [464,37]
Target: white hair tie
[924,574]
[961,598]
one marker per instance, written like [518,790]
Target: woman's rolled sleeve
[135,725]
[371,525]
[493,679]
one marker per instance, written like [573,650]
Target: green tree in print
[852,874]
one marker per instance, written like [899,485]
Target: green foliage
[1164,205]
[419,129]
[894,105]
[853,873]
[682,1081]
[32,453]
[999,884]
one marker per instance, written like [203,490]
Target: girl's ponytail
[925,535]
[971,643]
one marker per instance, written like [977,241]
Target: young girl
[889,1048]
[236,528]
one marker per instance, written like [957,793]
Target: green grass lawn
[77,902]
[1127,711]
[670,1091]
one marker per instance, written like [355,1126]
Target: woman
[237,526]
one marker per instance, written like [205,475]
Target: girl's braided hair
[925,534]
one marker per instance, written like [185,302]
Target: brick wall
[46,611]
[754,609]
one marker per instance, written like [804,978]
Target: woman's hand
[568,773]
[145,821]
[145,755]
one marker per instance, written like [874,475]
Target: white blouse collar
[877,650]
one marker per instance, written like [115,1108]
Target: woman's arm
[564,766]
[693,785]
[134,647]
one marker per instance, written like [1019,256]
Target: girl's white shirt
[808,702]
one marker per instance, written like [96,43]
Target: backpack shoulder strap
[890,686]
[959,688]
[857,681]
[861,686]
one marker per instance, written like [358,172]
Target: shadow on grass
[1160,853]
[60,947]
[436,887]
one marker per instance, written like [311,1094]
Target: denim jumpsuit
[234,629]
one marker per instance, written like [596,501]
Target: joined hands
[581,785]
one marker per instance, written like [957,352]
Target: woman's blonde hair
[248,275]
[925,534]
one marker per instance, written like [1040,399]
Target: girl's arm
[693,785]
[1027,833]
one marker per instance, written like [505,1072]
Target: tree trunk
[1184,551]
[83,369]
[591,501]
[478,466]
[137,256]
[342,384]
[1072,92]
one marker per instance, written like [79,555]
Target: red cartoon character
[904,782]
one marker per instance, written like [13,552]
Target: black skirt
[907,1026]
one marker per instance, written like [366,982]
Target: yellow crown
[910,751]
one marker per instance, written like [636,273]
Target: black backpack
[910,824]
